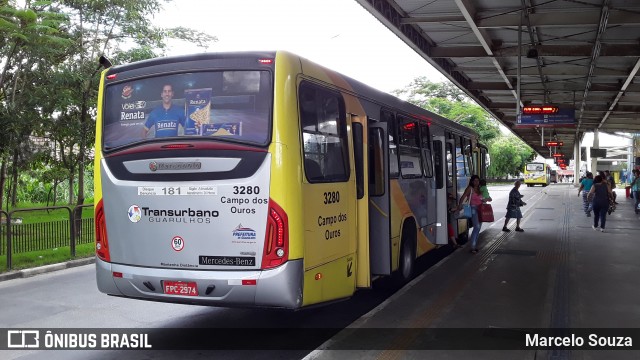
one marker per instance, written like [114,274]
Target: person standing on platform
[585,187]
[513,207]
[635,189]
[472,192]
[600,195]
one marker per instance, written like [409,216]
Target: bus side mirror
[104,62]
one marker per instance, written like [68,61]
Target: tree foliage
[447,100]
[49,76]
[508,153]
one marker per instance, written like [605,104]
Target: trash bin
[627,190]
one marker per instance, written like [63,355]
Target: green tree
[32,44]
[509,155]
[49,73]
[108,27]
[447,100]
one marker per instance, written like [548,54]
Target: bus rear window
[231,105]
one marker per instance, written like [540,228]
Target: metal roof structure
[580,54]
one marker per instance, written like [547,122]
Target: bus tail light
[276,240]
[102,244]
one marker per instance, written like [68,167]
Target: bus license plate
[180,288]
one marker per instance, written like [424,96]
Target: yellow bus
[537,173]
[261,179]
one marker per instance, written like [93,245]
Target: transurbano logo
[184,216]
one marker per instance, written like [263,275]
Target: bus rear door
[379,202]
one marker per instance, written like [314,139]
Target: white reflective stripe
[234,282]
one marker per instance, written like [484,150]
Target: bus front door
[440,174]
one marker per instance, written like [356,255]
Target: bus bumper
[280,287]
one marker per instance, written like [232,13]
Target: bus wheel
[407,255]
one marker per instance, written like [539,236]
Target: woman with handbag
[513,207]
[474,195]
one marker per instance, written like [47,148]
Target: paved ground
[559,273]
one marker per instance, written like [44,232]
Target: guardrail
[19,237]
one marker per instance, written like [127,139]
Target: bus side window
[437,162]
[376,163]
[410,158]
[323,123]
[426,150]
[389,118]
[450,169]
[460,166]
[358,157]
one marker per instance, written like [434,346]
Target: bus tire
[407,260]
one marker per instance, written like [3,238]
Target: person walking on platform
[612,203]
[600,194]
[473,193]
[513,207]
[585,187]
[635,189]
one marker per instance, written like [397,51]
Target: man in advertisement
[166,118]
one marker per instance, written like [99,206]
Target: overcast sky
[339,34]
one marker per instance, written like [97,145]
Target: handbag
[466,211]
[485,213]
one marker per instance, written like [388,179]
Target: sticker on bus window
[198,102]
[222,129]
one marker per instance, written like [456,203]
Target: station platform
[558,274]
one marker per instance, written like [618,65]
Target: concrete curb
[24,273]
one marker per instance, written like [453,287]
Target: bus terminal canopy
[582,57]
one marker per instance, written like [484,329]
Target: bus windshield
[535,167]
[231,105]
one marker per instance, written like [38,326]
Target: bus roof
[357,87]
